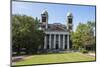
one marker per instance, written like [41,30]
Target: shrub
[84,51]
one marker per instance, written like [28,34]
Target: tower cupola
[44,19]
[69,21]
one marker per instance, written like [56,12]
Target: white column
[50,41]
[59,40]
[54,41]
[67,42]
[45,42]
[63,41]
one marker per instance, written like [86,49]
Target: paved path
[92,54]
[19,58]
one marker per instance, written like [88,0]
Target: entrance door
[57,45]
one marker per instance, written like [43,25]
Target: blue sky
[57,12]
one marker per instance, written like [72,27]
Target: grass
[55,58]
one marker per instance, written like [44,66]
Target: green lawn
[55,58]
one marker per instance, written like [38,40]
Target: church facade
[57,36]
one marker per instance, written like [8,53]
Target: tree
[25,34]
[91,26]
[84,35]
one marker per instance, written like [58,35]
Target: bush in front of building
[83,51]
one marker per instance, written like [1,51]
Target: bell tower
[69,22]
[44,20]
[70,27]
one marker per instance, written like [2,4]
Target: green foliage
[84,35]
[83,51]
[25,33]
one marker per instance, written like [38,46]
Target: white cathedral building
[57,36]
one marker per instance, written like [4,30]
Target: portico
[56,40]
